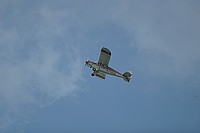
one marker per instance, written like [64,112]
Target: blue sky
[44,86]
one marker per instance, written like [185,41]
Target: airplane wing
[101,75]
[104,56]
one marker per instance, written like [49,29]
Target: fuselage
[97,67]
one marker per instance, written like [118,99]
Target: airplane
[101,68]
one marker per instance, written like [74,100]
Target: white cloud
[40,55]
[166,34]
[40,63]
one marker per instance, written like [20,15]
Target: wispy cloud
[41,58]
[40,63]
[164,33]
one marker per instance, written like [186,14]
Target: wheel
[92,74]
[94,69]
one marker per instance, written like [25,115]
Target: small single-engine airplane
[101,68]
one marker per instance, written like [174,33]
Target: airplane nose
[86,62]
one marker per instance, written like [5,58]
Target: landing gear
[94,69]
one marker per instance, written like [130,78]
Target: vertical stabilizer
[127,76]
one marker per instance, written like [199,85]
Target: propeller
[86,62]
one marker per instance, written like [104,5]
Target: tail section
[127,76]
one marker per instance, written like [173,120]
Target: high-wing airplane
[101,68]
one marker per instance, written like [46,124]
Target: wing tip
[106,50]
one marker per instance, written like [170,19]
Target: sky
[45,87]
